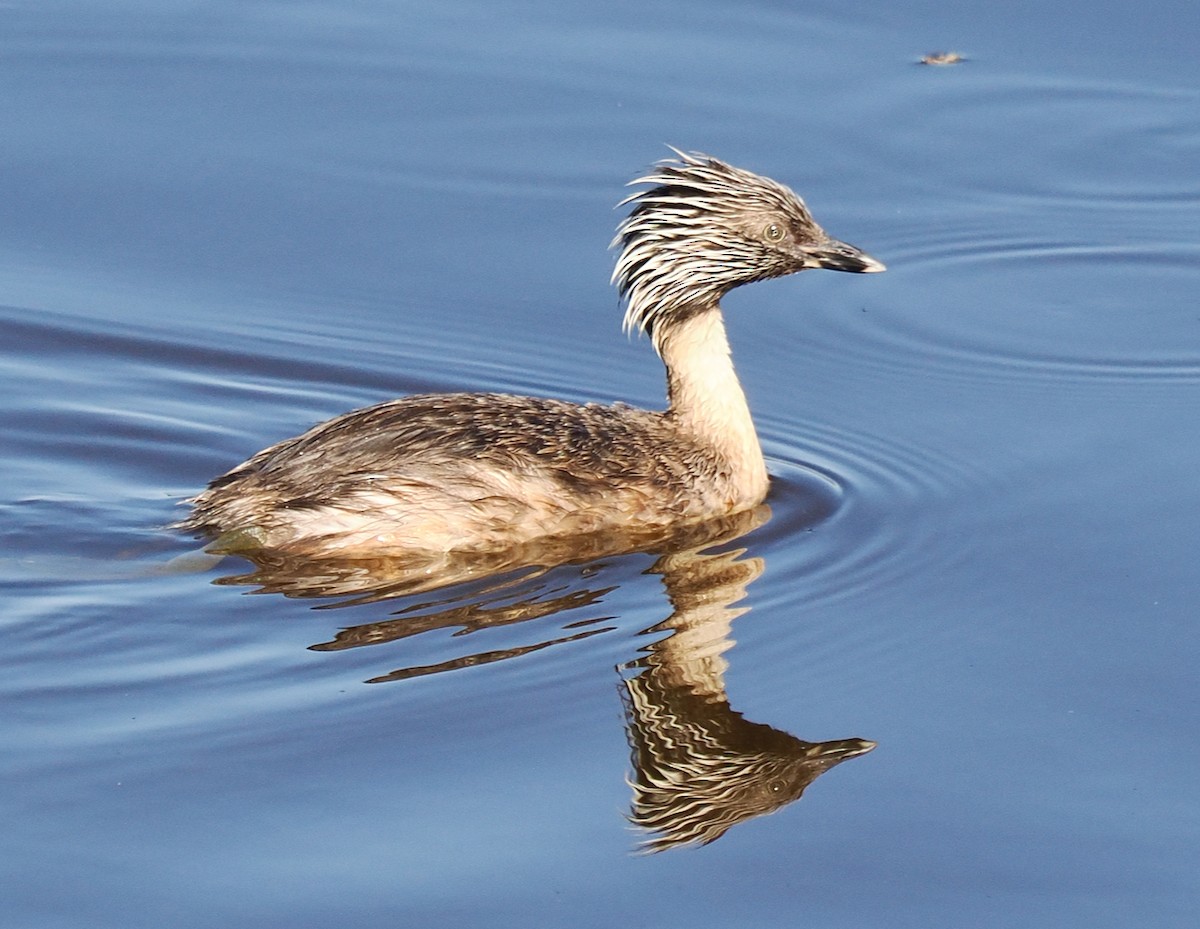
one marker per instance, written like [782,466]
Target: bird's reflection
[360,580]
[699,767]
[493,610]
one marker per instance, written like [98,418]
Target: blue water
[223,222]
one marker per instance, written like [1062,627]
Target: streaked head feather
[701,229]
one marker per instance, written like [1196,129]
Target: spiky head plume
[705,227]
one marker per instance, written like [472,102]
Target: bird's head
[704,227]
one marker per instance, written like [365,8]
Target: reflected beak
[839,256]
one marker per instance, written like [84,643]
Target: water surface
[221,223]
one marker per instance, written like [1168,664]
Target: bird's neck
[706,400]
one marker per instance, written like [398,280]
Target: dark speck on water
[942,58]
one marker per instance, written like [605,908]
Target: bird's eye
[773,232]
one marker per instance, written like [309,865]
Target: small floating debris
[942,58]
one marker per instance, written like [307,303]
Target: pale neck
[705,397]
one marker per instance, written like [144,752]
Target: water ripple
[896,512]
[1034,140]
[1051,313]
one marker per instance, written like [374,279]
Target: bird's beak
[841,750]
[838,256]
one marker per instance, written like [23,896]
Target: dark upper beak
[841,749]
[838,256]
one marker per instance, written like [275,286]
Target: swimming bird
[484,471]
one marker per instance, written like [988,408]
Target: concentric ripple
[1010,310]
[898,505]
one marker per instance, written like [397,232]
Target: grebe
[480,472]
